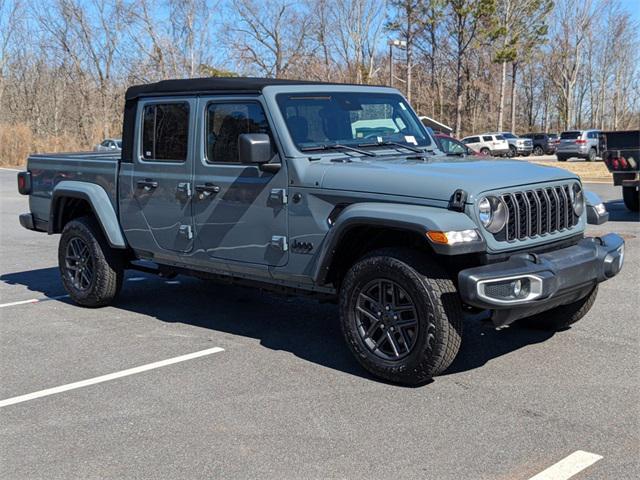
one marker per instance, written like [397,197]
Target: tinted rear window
[569,135]
[165,132]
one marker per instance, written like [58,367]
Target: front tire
[92,272]
[512,152]
[562,317]
[631,197]
[538,152]
[561,158]
[592,155]
[401,316]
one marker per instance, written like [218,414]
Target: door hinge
[280,242]
[278,196]
[184,188]
[186,231]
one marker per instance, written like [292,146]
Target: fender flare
[415,218]
[100,203]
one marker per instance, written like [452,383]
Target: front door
[162,174]
[240,212]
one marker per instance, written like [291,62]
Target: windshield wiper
[338,146]
[389,143]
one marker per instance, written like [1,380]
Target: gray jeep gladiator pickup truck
[331,190]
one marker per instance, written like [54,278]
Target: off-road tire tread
[107,264]
[446,313]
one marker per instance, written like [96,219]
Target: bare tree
[270,36]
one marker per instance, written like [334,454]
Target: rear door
[240,211]
[161,179]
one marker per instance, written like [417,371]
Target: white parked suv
[488,144]
[517,145]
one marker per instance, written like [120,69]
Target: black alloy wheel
[78,264]
[386,319]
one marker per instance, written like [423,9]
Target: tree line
[476,65]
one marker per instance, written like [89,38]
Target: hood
[438,177]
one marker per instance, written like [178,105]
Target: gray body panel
[246,229]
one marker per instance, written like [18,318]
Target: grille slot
[538,212]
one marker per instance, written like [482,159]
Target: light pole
[393,43]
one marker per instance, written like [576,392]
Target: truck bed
[49,169]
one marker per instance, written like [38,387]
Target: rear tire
[485,151]
[92,272]
[538,152]
[591,157]
[631,197]
[562,317]
[407,336]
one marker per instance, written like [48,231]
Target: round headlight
[484,211]
[492,212]
[577,199]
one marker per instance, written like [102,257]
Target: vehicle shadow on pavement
[304,327]
[482,343]
[619,213]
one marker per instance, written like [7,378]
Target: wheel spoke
[369,315]
[393,343]
[374,326]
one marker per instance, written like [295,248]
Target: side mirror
[254,148]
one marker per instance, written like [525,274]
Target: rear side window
[569,135]
[165,132]
[592,135]
[471,140]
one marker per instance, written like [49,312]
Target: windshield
[353,118]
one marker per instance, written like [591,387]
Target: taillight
[24,183]
[581,142]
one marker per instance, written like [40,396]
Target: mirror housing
[254,148]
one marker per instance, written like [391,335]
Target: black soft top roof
[212,84]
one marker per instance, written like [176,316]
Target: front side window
[350,118]
[471,140]
[165,132]
[500,137]
[225,122]
[487,138]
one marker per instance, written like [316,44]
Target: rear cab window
[569,135]
[165,132]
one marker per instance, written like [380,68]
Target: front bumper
[526,149]
[555,278]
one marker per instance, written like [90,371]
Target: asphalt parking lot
[283,398]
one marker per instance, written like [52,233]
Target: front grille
[537,212]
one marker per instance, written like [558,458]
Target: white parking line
[568,466]
[32,300]
[110,376]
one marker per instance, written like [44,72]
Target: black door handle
[147,184]
[207,189]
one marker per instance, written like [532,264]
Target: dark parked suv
[543,143]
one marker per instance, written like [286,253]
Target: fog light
[510,290]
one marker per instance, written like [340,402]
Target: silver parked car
[517,145]
[578,144]
[109,145]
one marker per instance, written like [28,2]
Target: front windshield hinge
[458,200]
